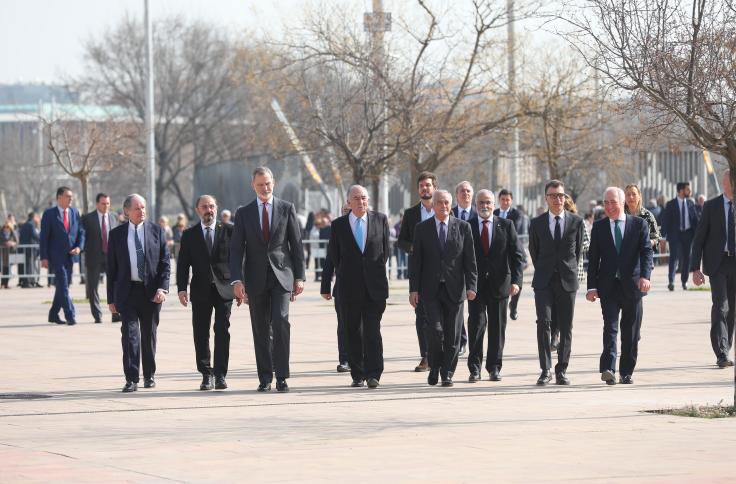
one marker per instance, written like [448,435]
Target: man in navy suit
[508,212]
[464,211]
[30,234]
[619,268]
[62,239]
[679,221]
[138,270]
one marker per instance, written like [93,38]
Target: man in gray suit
[442,273]
[97,226]
[267,270]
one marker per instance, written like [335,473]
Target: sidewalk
[86,430]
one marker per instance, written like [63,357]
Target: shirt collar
[269,201]
[212,225]
[552,216]
[437,220]
[467,209]
[621,217]
[354,217]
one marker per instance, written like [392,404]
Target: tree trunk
[375,192]
[413,175]
[84,181]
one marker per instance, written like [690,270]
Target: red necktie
[484,239]
[66,220]
[104,234]
[264,223]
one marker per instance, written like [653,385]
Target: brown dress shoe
[422,366]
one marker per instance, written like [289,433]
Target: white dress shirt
[426,213]
[726,201]
[622,226]
[269,207]
[553,222]
[490,229]
[134,276]
[212,231]
[363,225]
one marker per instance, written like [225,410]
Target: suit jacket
[207,269]
[29,234]
[93,254]
[549,257]
[456,266]
[157,262]
[250,256]
[709,242]
[513,215]
[412,216]
[634,261]
[456,212]
[328,270]
[671,219]
[55,241]
[356,270]
[504,264]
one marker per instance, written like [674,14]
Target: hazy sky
[42,39]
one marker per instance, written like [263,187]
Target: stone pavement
[86,430]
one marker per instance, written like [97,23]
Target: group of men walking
[456,253]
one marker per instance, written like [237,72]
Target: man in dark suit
[619,268]
[30,235]
[464,211]
[715,244]
[267,269]
[62,239]
[442,273]
[507,211]
[205,248]
[138,270]
[500,262]
[359,249]
[555,246]
[679,221]
[328,270]
[426,185]
[97,226]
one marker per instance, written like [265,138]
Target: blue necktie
[359,234]
[139,255]
[443,236]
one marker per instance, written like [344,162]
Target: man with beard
[426,185]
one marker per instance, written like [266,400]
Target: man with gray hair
[138,270]
[442,274]
[619,269]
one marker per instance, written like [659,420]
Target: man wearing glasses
[555,246]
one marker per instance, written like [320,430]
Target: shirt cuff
[164,291]
[591,290]
[235,282]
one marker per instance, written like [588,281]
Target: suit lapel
[497,232]
[276,216]
[255,219]
[721,214]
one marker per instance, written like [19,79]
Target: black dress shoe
[447,382]
[671,287]
[206,383]
[609,377]
[57,320]
[434,376]
[264,387]
[494,375]
[474,377]
[71,322]
[514,315]
[724,362]
[626,380]
[372,383]
[149,383]
[358,383]
[544,378]
[684,286]
[98,321]
[561,379]
[281,385]
[220,383]
[343,368]
[130,386]
[116,318]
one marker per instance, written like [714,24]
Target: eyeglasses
[559,196]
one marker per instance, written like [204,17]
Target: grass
[700,288]
[699,411]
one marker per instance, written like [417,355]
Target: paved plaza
[86,430]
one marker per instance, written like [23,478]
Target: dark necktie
[464,215]
[104,234]
[443,236]
[208,239]
[682,216]
[264,223]
[139,255]
[731,237]
[619,237]
[485,239]
[558,230]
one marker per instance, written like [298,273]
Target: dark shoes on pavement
[372,383]
[544,378]
[434,376]
[149,383]
[357,383]
[561,379]
[264,387]
[220,383]
[494,374]
[724,362]
[130,386]
[207,383]
[343,367]
[626,380]
[474,377]
[422,366]
[609,377]
[281,385]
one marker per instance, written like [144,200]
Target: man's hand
[644,285]
[183,299]
[591,295]
[414,299]
[239,290]
[112,308]
[327,296]
[45,263]
[514,290]
[160,297]
[298,287]
[698,277]
[75,251]
[471,295]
